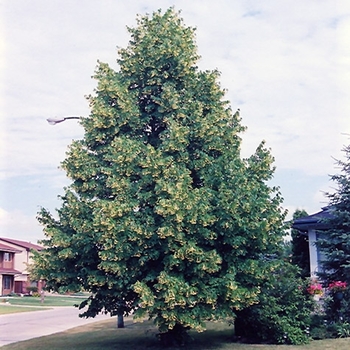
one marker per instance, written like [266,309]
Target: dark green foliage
[336,242]
[32,289]
[335,249]
[163,216]
[337,308]
[282,315]
[300,247]
[322,328]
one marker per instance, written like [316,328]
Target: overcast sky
[285,64]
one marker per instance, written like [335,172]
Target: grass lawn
[25,304]
[63,300]
[9,309]
[142,336]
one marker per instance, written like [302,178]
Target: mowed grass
[142,336]
[11,305]
[9,309]
[48,301]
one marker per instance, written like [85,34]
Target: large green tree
[163,217]
[335,244]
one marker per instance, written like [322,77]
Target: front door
[7,284]
[18,287]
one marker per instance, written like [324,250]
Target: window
[321,256]
[7,282]
[7,256]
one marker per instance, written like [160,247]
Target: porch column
[313,253]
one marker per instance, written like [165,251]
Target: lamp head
[55,120]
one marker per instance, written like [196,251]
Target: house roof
[8,249]
[4,271]
[315,221]
[23,244]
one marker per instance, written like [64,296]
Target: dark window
[7,282]
[7,256]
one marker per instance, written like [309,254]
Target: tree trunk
[120,321]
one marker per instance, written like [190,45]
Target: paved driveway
[27,325]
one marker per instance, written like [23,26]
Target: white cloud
[285,64]
[18,225]
[35,147]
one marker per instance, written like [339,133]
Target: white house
[312,227]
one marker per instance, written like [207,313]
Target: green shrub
[319,328]
[343,329]
[282,315]
[32,289]
[337,310]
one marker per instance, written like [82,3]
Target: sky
[285,64]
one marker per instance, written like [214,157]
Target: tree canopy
[335,244]
[163,216]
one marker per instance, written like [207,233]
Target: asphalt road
[33,324]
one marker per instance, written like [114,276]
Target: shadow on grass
[135,336]
[143,336]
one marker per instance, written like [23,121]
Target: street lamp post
[56,120]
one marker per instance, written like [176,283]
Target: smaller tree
[300,247]
[283,312]
[336,243]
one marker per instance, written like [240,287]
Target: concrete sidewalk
[33,324]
